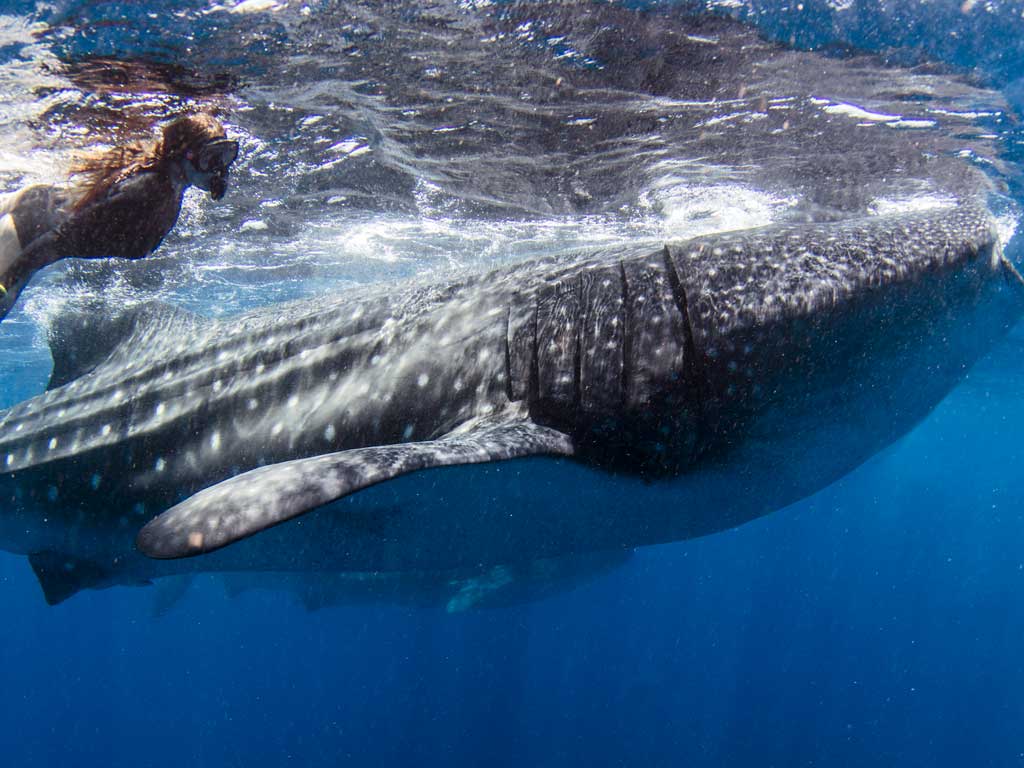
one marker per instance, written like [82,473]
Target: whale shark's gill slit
[508,356]
[691,364]
[627,344]
[577,372]
[534,382]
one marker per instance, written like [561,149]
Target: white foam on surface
[687,210]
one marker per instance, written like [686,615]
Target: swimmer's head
[205,151]
[196,144]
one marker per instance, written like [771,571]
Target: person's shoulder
[34,194]
[143,182]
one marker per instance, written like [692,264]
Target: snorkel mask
[207,166]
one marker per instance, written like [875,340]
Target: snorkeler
[129,201]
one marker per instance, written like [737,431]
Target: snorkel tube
[207,166]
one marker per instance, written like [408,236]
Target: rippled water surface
[876,623]
[384,141]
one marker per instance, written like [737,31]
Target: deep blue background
[878,623]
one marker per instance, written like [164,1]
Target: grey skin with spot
[578,403]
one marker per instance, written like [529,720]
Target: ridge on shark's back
[578,403]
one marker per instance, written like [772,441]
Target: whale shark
[579,402]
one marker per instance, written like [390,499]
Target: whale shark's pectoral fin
[258,499]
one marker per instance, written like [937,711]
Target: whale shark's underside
[579,403]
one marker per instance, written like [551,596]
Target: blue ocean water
[875,623]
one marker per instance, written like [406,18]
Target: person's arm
[13,278]
[130,222]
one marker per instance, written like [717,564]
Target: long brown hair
[99,171]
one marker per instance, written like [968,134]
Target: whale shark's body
[578,403]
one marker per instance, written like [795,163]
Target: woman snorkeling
[129,200]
